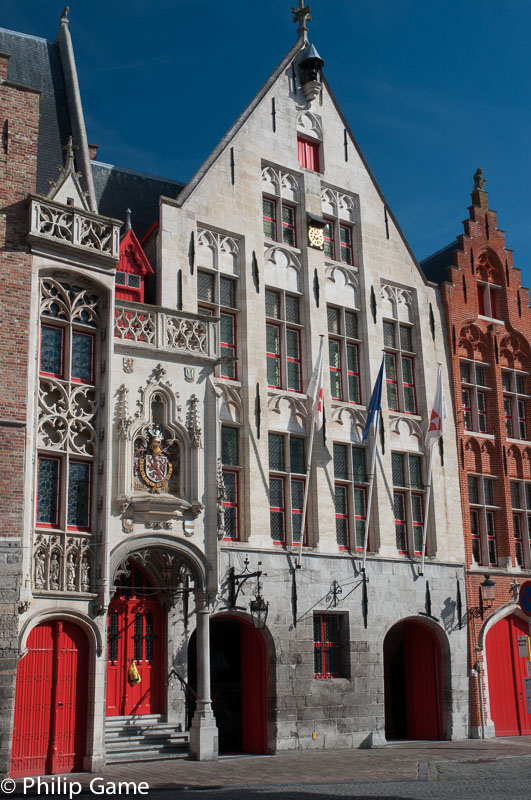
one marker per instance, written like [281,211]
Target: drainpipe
[477,667]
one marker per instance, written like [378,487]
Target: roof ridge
[27,36]
[137,172]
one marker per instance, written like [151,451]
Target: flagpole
[371,484]
[426,511]
[306,489]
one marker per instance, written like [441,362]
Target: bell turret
[311,74]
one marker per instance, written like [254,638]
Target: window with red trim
[481,497]
[217,297]
[514,403]
[309,154]
[350,495]
[337,231]
[286,488]
[283,341]
[231,478]
[408,504]
[399,367]
[487,300]
[274,208]
[473,401]
[328,645]
[343,354]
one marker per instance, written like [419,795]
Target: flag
[315,389]
[438,414]
[375,402]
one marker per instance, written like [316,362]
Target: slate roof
[118,188]
[434,266]
[36,63]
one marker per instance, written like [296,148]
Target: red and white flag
[438,414]
[315,389]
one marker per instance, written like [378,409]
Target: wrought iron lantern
[487,592]
[258,608]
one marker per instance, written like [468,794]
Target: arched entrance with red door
[506,671]
[413,683]
[135,646]
[50,724]
[238,683]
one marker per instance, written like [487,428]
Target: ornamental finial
[302,15]
[479,180]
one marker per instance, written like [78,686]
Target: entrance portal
[135,644]
[237,667]
[49,731]
[412,675]
[507,670]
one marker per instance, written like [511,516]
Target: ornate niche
[158,456]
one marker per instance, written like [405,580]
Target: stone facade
[190,426]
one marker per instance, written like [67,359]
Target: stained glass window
[78,494]
[47,491]
[229,446]
[82,346]
[52,350]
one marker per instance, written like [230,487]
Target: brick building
[168,438]
[489,330]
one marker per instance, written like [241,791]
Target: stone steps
[143,738]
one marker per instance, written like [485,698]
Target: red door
[253,690]
[422,672]
[49,731]
[135,633]
[506,673]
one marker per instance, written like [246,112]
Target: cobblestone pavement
[428,770]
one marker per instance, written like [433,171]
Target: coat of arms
[155,467]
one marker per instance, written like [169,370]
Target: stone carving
[479,180]
[155,462]
[218,251]
[471,339]
[78,227]
[399,301]
[60,568]
[194,429]
[337,204]
[165,525]
[135,326]
[282,267]
[280,183]
[221,498]
[307,122]
[128,365]
[186,334]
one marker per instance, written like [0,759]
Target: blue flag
[375,402]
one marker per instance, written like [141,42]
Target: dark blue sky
[432,90]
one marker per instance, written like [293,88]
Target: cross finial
[69,149]
[302,16]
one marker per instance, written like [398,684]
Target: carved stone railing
[164,329]
[66,226]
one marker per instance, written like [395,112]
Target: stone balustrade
[164,329]
[64,225]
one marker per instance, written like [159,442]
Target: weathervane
[302,16]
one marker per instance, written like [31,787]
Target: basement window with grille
[330,645]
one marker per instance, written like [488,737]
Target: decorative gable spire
[67,188]
[302,15]
[479,195]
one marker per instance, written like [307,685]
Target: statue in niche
[70,573]
[39,570]
[54,571]
[156,462]
[85,575]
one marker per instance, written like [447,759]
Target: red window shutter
[308,154]
[493,309]
[302,152]
[481,299]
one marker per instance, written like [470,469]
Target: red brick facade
[19,124]
[489,327]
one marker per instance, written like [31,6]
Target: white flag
[315,389]
[438,414]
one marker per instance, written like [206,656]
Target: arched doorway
[49,730]
[412,675]
[238,684]
[507,670]
[135,634]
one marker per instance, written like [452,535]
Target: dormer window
[132,270]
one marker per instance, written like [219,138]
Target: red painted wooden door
[49,731]
[253,691]
[422,668]
[506,673]
[135,633]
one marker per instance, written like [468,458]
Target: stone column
[203,731]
